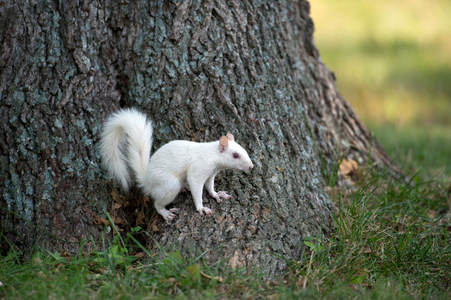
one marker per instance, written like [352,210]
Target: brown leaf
[145,200]
[100,220]
[348,167]
[140,218]
[217,278]
[65,255]
[118,220]
[116,197]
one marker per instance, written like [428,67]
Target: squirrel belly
[125,147]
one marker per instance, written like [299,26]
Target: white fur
[172,167]
[126,131]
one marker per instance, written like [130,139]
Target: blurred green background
[392,60]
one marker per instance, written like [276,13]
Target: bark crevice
[199,70]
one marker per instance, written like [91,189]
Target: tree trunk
[199,69]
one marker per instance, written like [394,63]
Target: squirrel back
[125,144]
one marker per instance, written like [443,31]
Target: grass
[392,241]
[392,58]
[418,149]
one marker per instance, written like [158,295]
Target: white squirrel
[125,147]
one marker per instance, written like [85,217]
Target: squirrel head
[235,157]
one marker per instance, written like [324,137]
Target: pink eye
[236,155]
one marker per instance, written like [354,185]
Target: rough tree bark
[199,69]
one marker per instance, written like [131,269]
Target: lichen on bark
[199,69]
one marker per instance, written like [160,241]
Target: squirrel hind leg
[168,215]
[163,193]
[160,206]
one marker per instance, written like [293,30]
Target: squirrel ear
[230,137]
[223,143]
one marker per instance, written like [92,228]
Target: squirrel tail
[125,146]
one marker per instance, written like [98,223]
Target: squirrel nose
[250,167]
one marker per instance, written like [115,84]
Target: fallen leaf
[116,197]
[217,278]
[145,200]
[100,220]
[65,255]
[118,220]
[140,218]
[348,167]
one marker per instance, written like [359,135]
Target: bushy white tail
[125,145]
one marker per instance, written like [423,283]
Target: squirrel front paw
[205,210]
[220,195]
